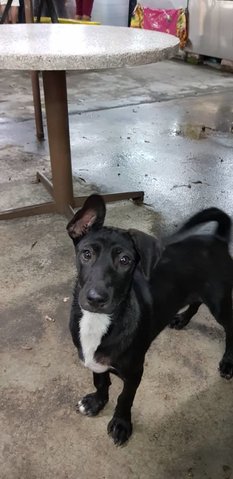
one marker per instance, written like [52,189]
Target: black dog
[127,292]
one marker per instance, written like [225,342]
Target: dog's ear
[148,249]
[91,215]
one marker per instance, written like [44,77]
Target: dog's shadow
[194,440]
[208,328]
[183,411]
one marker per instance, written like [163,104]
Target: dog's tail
[223,230]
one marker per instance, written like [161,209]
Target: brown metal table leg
[59,138]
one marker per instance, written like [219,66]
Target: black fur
[124,274]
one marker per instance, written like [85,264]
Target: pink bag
[171,21]
[161,20]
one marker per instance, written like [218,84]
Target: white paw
[81,407]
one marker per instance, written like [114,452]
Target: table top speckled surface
[80,47]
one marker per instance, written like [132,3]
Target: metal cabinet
[211,28]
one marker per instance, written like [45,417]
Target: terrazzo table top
[80,47]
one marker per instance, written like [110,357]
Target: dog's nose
[97,297]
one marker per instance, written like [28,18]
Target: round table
[53,49]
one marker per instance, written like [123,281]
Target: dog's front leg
[120,426]
[91,404]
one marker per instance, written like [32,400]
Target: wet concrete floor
[166,129]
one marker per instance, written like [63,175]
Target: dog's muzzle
[94,300]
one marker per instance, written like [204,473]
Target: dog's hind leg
[181,320]
[91,404]
[225,318]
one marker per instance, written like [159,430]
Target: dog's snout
[95,297]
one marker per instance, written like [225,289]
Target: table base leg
[136,196]
[33,210]
[50,207]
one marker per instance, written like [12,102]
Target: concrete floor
[130,128]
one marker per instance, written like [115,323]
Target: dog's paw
[178,322]
[226,367]
[120,430]
[91,404]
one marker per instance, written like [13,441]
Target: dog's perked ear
[148,249]
[91,215]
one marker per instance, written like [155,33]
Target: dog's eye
[125,260]
[86,254]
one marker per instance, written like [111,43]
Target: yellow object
[137,17]
[182,28]
[67,20]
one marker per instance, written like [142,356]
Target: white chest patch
[92,328]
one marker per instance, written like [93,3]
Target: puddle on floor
[199,132]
